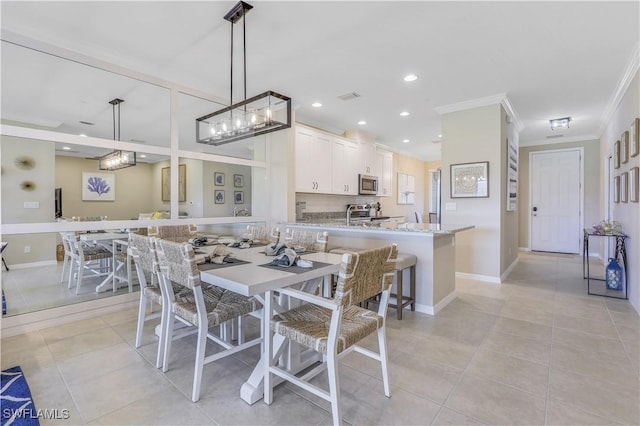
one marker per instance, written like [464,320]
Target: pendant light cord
[244,58]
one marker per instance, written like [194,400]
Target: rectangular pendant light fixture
[264,113]
[117,159]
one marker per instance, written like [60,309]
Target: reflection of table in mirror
[104,239]
[620,253]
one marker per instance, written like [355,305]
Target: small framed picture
[470,180]
[624,147]
[616,189]
[633,184]
[218,196]
[218,179]
[238,181]
[238,197]
[634,142]
[624,187]
[616,155]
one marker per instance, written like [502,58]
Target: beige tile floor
[534,350]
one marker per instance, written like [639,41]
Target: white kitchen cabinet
[385,173]
[344,163]
[313,161]
[368,159]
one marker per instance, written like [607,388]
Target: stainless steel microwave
[367,185]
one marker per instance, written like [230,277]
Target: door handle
[535,211]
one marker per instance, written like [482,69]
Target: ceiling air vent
[87,123]
[555,136]
[349,96]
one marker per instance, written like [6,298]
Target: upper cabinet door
[312,161]
[344,154]
[385,173]
[368,159]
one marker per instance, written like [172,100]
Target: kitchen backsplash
[329,204]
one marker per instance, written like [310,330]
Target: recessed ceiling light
[143,156]
[439,135]
[404,113]
[405,141]
[410,77]
[557,123]
[362,122]
[316,104]
[66,148]
[83,135]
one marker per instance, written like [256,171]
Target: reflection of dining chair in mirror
[334,327]
[178,265]
[433,217]
[87,260]
[121,264]
[67,262]
[418,217]
[4,245]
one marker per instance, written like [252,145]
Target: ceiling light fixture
[558,123]
[264,113]
[117,159]
[439,135]
[405,141]
[316,104]
[66,148]
[405,113]
[362,122]
[410,77]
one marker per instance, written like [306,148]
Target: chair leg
[334,387]
[197,374]
[167,335]
[79,279]
[412,286]
[141,316]
[384,360]
[65,264]
[399,293]
[5,264]
[164,335]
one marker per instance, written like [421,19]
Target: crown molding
[627,76]
[500,98]
[564,139]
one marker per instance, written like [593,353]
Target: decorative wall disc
[28,185]
[25,163]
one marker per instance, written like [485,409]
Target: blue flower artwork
[98,186]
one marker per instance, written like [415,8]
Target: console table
[619,253]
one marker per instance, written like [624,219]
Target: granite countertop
[385,227]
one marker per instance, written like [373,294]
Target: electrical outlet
[27,249]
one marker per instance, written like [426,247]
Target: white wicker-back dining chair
[333,327]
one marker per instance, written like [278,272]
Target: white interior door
[556,201]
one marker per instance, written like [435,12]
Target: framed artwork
[238,197]
[218,179]
[633,184]
[406,189]
[98,186]
[182,183]
[634,142]
[616,189]
[616,155]
[238,181]
[470,180]
[218,196]
[624,147]
[624,187]
[512,176]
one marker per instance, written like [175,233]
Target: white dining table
[104,239]
[251,279]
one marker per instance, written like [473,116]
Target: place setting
[289,258]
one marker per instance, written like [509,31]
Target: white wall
[628,214]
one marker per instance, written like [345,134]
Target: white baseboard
[33,321]
[506,273]
[477,277]
[432,310]
[524,249]
[33,264]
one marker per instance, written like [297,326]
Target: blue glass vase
[614,275]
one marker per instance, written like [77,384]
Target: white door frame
[581,202]
[606,246]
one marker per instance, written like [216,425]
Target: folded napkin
[242,243]
[287,258]
[198,242]
[219,255]
[275,249]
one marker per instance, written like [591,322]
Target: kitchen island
[433,244]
